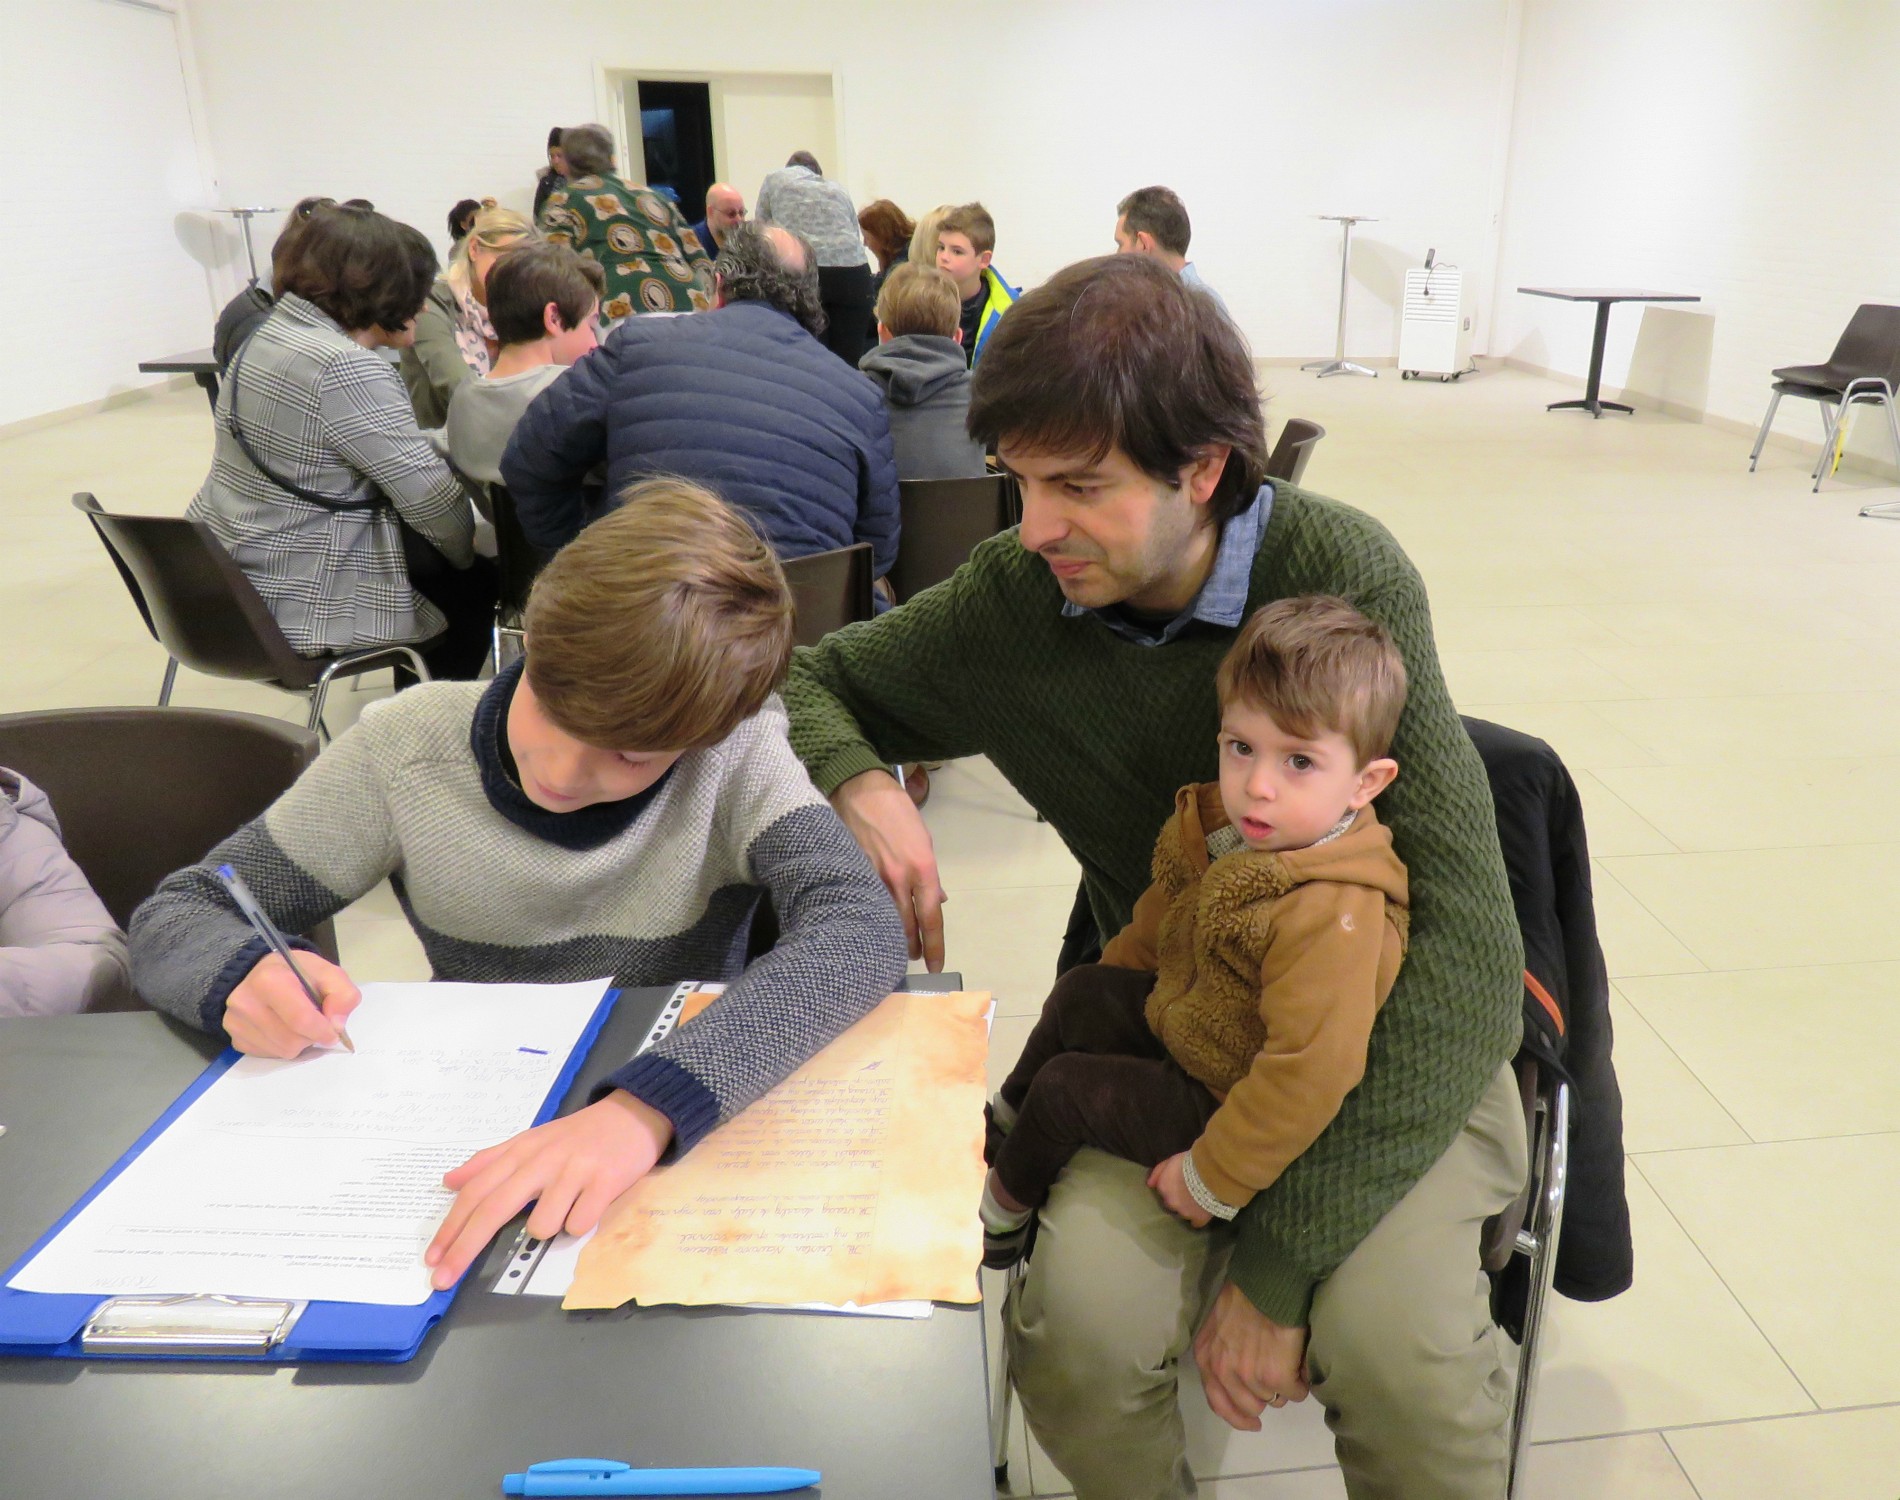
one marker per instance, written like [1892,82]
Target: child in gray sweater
[616,803]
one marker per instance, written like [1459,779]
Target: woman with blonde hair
[923,244]
[454,338]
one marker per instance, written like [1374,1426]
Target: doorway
[756,120]
[676,132]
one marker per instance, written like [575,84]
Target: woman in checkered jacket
[349,523]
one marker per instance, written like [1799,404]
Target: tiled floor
[1714,654]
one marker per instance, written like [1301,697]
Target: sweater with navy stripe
[659,887]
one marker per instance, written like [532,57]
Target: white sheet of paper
[320,1177]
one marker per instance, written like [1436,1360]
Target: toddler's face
[1285,791]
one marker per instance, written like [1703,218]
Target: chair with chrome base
[517,563]
[198,605]
[1520,1245]
[1863,370]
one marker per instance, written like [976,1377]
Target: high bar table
[1339,364]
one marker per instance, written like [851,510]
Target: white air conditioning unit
[1434,327]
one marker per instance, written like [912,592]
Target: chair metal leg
[1002,1391]
[171,676]
[1887,510]
[1836,415]
[1761,437]
[351,666]
[1539,1240]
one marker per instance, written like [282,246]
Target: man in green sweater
[1078,653]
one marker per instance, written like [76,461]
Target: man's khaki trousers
[1414,1376]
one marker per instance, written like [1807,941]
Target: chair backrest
[1869,345]
[832,589]
[942,521]
[141,792]
[195,599]
[1290,454]
[517,560]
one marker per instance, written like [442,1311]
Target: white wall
[1703,146]
[761,118]
[105,266]
[1261,113]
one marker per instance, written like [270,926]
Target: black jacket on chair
[1567,996]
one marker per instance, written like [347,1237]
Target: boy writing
[1225,1024]
[614,803]
[966,239]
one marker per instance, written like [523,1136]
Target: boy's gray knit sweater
[657,889]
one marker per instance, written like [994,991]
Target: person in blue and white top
[1153,221]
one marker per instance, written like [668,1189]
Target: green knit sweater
[1097,732]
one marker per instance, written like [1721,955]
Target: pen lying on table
[267,930]
[605,1476]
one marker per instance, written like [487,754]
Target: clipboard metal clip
[193,1323]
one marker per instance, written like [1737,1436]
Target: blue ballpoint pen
[267,930]
[605,1476]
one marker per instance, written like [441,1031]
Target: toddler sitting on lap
[1224,1026]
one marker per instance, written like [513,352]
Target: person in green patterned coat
[653,260]
[1078,652]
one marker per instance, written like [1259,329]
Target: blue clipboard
[53,1325]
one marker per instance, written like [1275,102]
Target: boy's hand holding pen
[286,1003]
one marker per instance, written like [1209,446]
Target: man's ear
[1202,476]
[1376,776]
[719,290]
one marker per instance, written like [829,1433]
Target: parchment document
[856,1180]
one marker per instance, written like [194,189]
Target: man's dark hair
[528,276]
[806,160]
[750,269]
[1118,352]
[1161,214]
[554,136]
[362,268]
[589,149]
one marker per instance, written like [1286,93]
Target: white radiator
[1434,327]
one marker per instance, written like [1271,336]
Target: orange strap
[1542,996]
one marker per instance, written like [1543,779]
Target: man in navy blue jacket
[743,399]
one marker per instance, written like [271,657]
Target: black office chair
[1864,369]
[517,563]
[942,522]
[1294,449]
[141,792]
[831,590]
[198,605]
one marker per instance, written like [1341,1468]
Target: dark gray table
[1603,297]
[884,1407]
[197,363]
